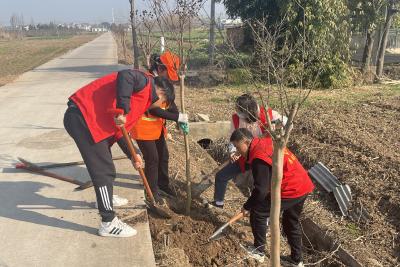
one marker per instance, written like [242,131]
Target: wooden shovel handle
[128,140]
[235,218]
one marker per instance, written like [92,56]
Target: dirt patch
[354,133]
[361,145]
[191,235]
[188,235]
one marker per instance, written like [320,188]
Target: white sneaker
[117,201]
[116,228]
[254,253]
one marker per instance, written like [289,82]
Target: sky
[91,11]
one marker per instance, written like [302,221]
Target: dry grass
[19,56]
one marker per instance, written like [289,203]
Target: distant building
[98,29]
[234,30]
[230,23]
[84,27]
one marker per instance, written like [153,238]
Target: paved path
[42,221]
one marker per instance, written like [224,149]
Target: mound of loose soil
[189,234]
[359,142]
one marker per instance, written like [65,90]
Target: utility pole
[112,13]
[211,49]
[134,36]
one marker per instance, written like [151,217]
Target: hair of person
[240,135]
[247,104]
[156,64]
[166,87]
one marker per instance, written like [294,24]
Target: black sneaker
[291,262]
[159,200]
[214,204]
[167,191]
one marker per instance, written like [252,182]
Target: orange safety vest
[149,127]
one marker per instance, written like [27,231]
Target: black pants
[98,160]
[292,209]
[156,156]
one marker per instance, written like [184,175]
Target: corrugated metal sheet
[324,177]
[343,197]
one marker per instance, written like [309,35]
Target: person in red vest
[251,116]
[296,185]
[94,130]
[150,131]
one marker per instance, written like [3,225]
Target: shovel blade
[159,210]
[217,234]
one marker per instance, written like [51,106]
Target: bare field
[353,131]
[19,56]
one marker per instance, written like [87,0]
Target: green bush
[198,57]
[335,74]
[237,61]
[238,76]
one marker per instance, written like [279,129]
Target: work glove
[234,156]
[183,117]
[185,127]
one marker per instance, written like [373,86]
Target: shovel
[73,163]
[217,234]
[29,166]
[151,204]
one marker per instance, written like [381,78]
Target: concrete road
[43,222]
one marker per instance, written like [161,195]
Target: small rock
[203,117]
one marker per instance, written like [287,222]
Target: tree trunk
[212,34]
[148,61]
[134,36]
[276,181]
[382,46]
[123,41]
[367,54]
[187,152]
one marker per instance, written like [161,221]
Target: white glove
[231,148]
[183,117]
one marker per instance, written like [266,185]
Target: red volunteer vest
[95,99]
[295,181]
[262,121]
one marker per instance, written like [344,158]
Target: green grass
[199,54]
[394,88]
[353,229]
[218,100]
[51,37]
[21,55]
[336,97]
